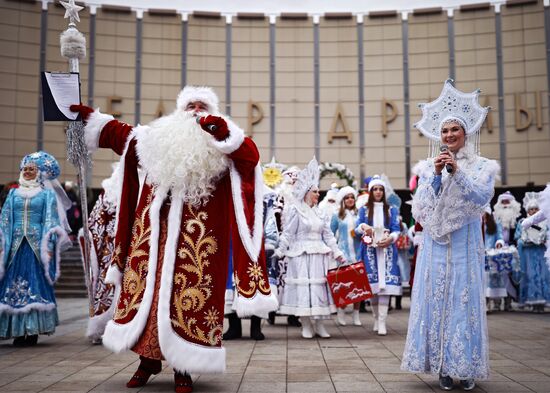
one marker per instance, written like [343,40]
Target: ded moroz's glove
[83,110]
[220,131]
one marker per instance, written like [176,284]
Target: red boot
[146,368]
[183,382]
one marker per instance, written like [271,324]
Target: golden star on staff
[71,11]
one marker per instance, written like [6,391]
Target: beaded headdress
[306,179]
[452,105]
[45,162]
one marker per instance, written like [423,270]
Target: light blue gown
[30,228]
[447,331]
[534,285]
[349,244]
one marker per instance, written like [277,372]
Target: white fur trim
[93,127]
[4,308]
[182,355]
[308,311]
[252,244]
[122,169]
[259,305]
[62,239]
[26,192]
[73,44]
[229,300]
[114,275]
[120,337]
[203,94]
[232,142]
[97,324]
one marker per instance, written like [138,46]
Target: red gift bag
[349,284]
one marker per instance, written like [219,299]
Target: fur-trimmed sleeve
[425,197]
[92,130]
[480,186]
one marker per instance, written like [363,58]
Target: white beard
[176,154]
[507,215]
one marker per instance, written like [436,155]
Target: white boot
[307,328]
[382,315]
[356,320]
[320,329]
[340,313]
[375,315]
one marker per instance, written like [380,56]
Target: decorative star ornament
[71,11]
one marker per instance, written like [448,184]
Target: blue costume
[496,282]
[534,285]
[370,255]
[344,232]
[32,239]
[447,332]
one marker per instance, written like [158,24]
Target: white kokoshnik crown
[531,200]
[306,179]
[452,105]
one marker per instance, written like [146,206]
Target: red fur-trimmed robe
[191,246]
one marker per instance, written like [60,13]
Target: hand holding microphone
[445,159]
[214,125]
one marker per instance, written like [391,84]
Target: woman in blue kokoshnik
[447,332]
[33,235]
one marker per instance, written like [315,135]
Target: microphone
[448,167]
[210,127]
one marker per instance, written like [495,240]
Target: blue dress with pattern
[30,229]
[447,331]
[369,255]
[534,285]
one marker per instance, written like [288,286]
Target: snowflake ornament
[452,104]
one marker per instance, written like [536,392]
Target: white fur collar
[28,192]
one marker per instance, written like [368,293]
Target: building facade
[343,86]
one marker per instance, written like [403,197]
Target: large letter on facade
[255,115]
[385,118]
[520,126]
[346,133]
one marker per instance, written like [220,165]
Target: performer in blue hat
[32,237]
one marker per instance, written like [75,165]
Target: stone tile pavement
[353,360]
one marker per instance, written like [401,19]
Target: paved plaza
[353,360]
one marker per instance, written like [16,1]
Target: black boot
[19,341]
[31,340]
[271,318]
[398,302]
[363,306]
[293,321]
[256,328]
[235,329]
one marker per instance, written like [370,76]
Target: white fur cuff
[259,305]
[232,142]
[92,130]
[113,276]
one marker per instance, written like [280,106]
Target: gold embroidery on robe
[133,283]
[193,297]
